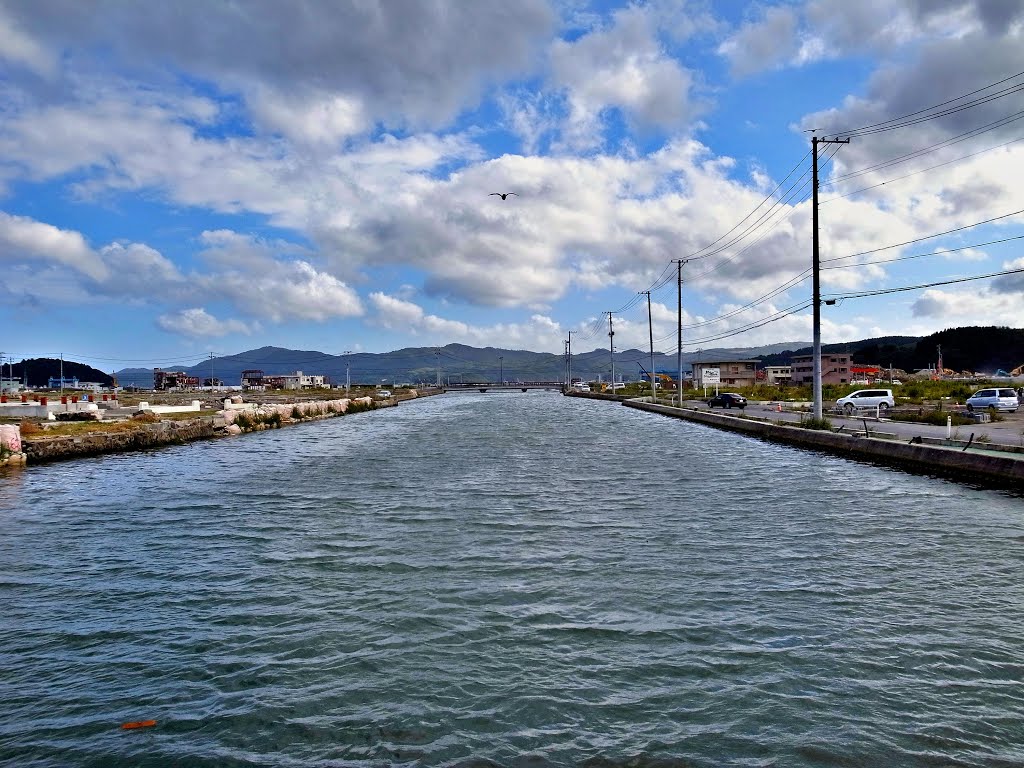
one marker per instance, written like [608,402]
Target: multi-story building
[252,380]
[299,380]
[55,382]
[835,368]
[174,380]
[733,373]
[778,374]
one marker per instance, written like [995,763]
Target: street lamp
[501,369]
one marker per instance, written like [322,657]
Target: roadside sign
[711,376]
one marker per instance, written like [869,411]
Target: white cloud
[26,240]
[969,307]
[538,333]
[198,323]
[287,291]
[821,29]
[19,48]
[623,66]
[404,63]
[762,44]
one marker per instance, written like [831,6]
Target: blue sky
[178,179]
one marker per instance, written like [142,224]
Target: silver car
[1000,398]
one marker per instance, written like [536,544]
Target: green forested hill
[38,370]
[981,349]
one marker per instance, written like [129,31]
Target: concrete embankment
[990,468]
[239,418]
[56,448]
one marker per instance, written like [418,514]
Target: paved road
[1010,431]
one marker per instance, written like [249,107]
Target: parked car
[866,398]
[728,400]
[1000,398]
[384,393]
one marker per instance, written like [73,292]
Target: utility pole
[679,337]
[211,373]
[565,364]
[611,348]
[62,373]
[650,332]
[568,358]
[815,262]
[501,369]
[437,352]
[348,377]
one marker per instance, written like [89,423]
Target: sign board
[710,376]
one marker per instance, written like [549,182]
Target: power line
[930,148]
[883,291]
[919,114]
[922,170]
[926,237]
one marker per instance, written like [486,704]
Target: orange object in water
[140,724]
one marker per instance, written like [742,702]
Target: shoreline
[988,465]
[17,450]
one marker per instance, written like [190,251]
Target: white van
[1001,398]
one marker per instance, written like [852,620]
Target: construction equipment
[663,379]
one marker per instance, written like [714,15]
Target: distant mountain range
[976,349]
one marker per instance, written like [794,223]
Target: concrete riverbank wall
[1004,469]
[59,447]
[37,449]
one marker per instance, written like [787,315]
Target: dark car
[728,400]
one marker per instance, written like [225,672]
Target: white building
[778,374]
[298,380]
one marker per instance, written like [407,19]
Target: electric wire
[884,291]
[966,135]
[920,112]
[922,170]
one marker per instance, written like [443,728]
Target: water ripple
[506,580]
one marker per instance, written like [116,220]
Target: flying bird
[503,195]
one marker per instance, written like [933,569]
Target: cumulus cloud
[26,240]
[402,62]
[625,67]
[767,42]
[538,333]
[819,29]
[289,290]
[971,307]
[21,49]
[197,323]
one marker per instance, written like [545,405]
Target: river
[506,579]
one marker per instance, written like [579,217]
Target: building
[835,368]
[55,382]
[252,380]
[778,374]
[163,380]
[298,380]
[732,373]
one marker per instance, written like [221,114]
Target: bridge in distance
[486,386]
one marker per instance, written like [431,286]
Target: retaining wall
[1004,470]
[42,449]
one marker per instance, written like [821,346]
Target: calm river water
[506,579]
